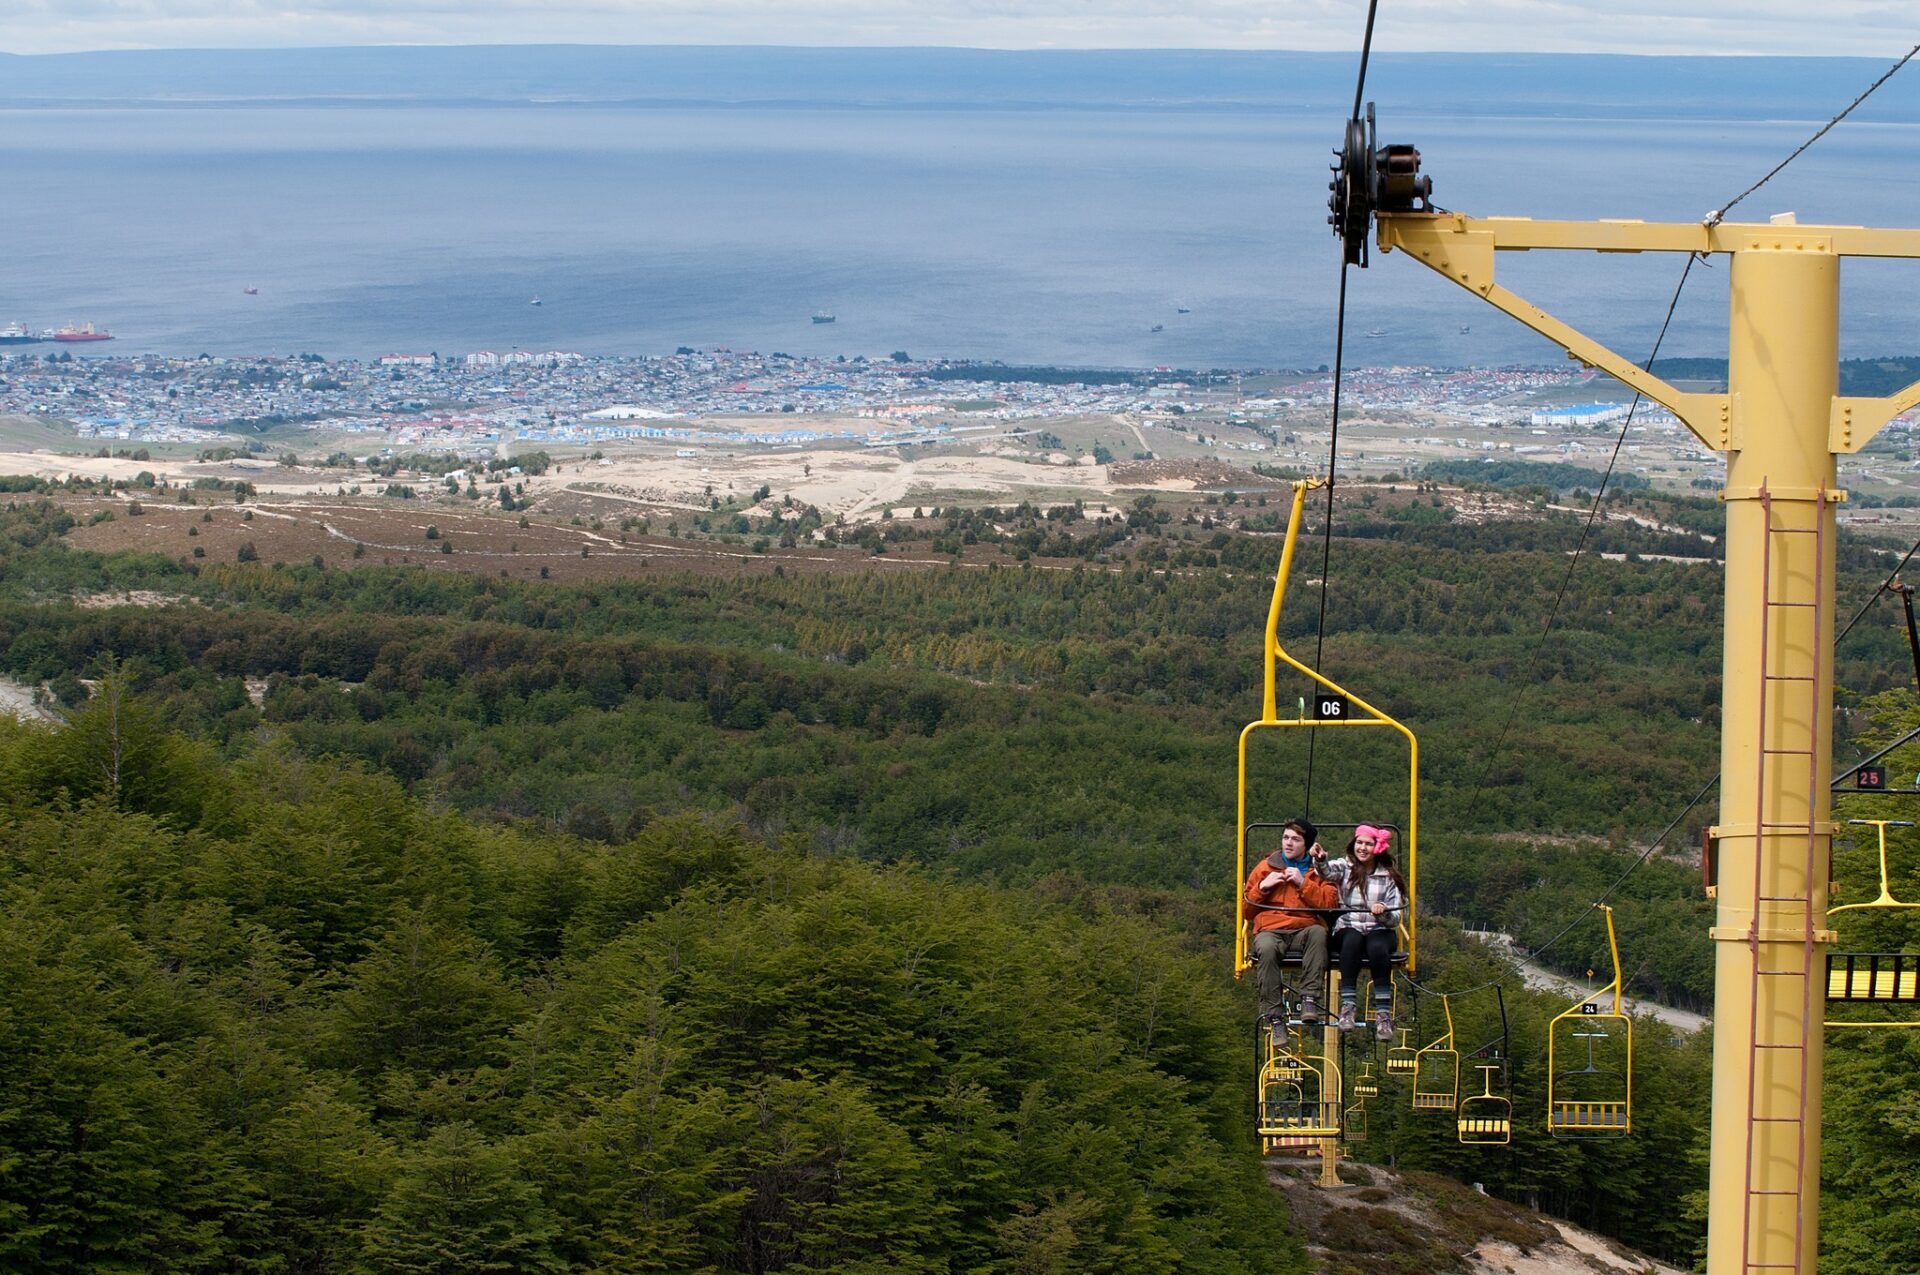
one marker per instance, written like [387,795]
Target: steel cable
[1333,440]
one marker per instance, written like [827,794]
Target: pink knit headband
[1381,836]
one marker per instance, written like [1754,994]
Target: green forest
[382,919]
[275,1014]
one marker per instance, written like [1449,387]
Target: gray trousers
[1269,946]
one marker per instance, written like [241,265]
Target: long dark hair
[1382,859]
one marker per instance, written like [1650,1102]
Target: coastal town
[891,418]
[564,397]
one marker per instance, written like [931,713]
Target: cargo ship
[17,334]
[85,332]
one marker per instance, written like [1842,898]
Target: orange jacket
[1257,905]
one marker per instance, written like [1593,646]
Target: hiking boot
[1347,1013]
[1310,1012]
[1277,1029]
[1383,1024]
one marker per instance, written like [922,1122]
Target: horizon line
[946,48]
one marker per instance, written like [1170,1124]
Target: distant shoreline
[641,77]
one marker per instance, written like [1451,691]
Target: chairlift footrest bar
[1873,977]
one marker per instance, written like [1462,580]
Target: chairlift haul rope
[1339,359]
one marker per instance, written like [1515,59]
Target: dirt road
[17,701]
[1543,979]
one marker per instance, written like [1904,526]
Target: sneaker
[1310,1012]
[1383,1024]
[1347,1013]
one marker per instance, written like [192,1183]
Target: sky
[1865,28]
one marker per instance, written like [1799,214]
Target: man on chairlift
[1284,898]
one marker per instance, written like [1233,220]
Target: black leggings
[1375,948]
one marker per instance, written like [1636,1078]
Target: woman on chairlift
[1372,899]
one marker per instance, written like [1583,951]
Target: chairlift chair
[1436,1070]
[1485,1119]
[1333,708]
[1353,1122]
[1402,1059]
[1592,1101]
[1299,1095]
[1877,978]
[1296,1111]
[1311,1110]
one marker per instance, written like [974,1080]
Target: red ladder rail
[1761,1201]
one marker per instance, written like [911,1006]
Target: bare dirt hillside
[469,537]
[1385,1223]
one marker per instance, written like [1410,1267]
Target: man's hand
[1294,875]
[1270,880]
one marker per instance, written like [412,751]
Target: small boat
[822,316]
[1159,327]
[1181,309]
[1376,331]
[1466,327]
[536,301]
[251,291]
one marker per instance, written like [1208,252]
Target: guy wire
[1593,513]
[1718,215]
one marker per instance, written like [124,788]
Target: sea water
[1112,236]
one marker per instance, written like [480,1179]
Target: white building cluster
[1579,414]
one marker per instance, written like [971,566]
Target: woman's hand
[1379,909]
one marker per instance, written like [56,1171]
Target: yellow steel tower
[1780,424]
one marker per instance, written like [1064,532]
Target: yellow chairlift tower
[1780,424]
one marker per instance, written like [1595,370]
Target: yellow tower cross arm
[1462,249]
